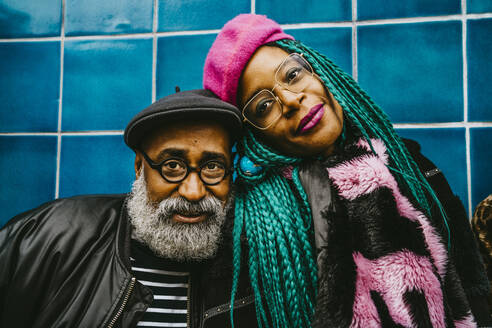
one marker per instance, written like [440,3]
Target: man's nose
[192,188]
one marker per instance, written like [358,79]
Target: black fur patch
[378,229]
[454,294]
[384,315]
[349,153]
[419,311]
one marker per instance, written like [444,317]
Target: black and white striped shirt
[169,284]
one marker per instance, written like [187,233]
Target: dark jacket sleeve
[464,249]
[14,244]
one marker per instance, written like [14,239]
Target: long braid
[372,122]
[278,229]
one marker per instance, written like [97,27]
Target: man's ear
[138,164]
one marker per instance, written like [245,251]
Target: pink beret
[232,49]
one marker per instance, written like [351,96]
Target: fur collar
[384,264]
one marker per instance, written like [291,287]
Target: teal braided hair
[281,257]
[372,122]
[275,213]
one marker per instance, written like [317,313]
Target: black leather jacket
[66,264]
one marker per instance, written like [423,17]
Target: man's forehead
[194,139]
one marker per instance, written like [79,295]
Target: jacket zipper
[188,303]
[123,303]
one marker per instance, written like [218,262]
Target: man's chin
[182,218]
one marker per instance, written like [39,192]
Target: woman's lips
[311,119]
[189,219]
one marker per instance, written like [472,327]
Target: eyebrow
[176,152]
[257,90]
[209,155]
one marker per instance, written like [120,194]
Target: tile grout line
[443,125]
[60,104]
[447,125]
[468,172]
[66,133]
[253,6]
[464,40]
[355,72]
[154,50]
[389,21]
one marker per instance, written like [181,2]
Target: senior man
[152,258]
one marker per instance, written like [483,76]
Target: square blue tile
[106,82]
[314,11]
[381,9]
[27,18]
[446,148]
[335,43]
[90,17]
[413,71]
[478,6]
[27,173]
[479,53]
[184,70]
[177,15]
[30,86]
[95,165]
[481,163]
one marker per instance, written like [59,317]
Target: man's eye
[211,166]
[173,165]
[212,170]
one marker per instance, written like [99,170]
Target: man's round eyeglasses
[265,108]
[175,170]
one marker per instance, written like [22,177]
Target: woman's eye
[263,107]
[292,74]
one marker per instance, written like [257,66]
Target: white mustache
[209,205]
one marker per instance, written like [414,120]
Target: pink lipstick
[311,119]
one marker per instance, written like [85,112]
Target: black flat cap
[186,105]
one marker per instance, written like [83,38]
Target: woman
[365,254]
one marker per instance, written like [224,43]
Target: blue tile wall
[30,85]
[73,73]
[479,6]
[410,68]
[105,83]
[381,9]
[481,159]
[108,17]
[27,18]
[293,11]
[95,165]
[440,145]
[27,173]
[335,43]
[479,69]
[180,62]
[177,15]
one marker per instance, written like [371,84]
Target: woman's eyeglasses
[265,108]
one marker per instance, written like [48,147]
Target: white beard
[153,224]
